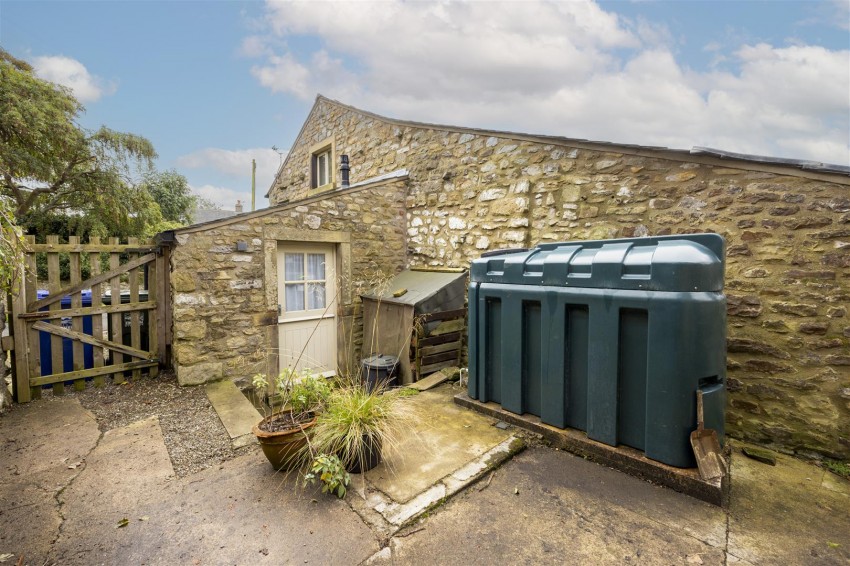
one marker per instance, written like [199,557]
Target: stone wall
[787,234]
[225,301]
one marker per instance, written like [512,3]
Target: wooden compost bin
[419,317]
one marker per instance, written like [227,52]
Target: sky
[215,84]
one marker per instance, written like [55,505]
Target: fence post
[21,382]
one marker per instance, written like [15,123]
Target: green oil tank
[611,337]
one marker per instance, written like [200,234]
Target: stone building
[438,196]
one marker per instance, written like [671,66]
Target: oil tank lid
[680,263]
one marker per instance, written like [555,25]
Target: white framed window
[306,282]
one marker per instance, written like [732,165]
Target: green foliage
[50,166]
[170,190]
[838,468]
[304,393]
[11,249]
[354,420]
[310,394]
[329,470]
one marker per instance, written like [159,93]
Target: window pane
[294,267]
[322,165]
[315,267]
[295,297]
[315,296]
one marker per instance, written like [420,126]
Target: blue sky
[215,84]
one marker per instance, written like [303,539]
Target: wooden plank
[440,348]
[96,305]
[57,330]
[135,330]
[440,339]
[444,315]
[114,271]
[417,365]
[428,360]
[92,247]
[437,366]
[152,315]
[32,337]
[164,298]
[449,327]
[93,372]
[77,348]
[18,330]
[429,382]
[89,311]
[117,319]
[54,286]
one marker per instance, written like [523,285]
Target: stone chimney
[238,207]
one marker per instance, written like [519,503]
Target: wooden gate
[68,336]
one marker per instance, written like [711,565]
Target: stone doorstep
[399,514]
[235,411]
[621,458]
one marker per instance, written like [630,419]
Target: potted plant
[357,424]
[283,433]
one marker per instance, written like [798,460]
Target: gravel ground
[193,433]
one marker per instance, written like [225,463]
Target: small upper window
[323,168]
[322,175]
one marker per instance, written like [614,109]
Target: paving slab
[548,507]
[791,513]
[241,512]
[236,412]
[446,438]
[43,447]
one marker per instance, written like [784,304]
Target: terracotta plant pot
[282,448]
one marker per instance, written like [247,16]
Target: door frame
[274,237]
[310,319]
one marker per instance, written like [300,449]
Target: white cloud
[255,46]
[224,197]
[563,68]
[832,13]
[74,75]
[235,162]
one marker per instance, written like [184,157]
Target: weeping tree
[11,254]
[51,168]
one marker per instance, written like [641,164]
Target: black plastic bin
[610,337]
[380,370]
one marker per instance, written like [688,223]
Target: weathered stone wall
[787,234]
[226,301]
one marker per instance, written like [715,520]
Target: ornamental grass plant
[358,425]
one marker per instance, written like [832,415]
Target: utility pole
[253,185]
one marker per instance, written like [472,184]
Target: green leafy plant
[299,396]
[329,470]
[309,394]
[838,468]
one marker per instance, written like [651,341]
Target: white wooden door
[307,299]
